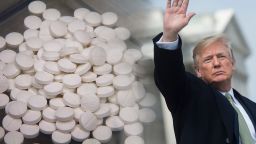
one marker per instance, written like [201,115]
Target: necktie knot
[229,97]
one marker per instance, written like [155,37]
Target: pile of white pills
[72,77]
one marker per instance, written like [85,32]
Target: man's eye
[207,60]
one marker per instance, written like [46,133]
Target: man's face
[215,64]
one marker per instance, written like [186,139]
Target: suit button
[227,140]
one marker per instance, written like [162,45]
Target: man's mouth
[218,73]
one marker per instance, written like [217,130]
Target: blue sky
[245,13]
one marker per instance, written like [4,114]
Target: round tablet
[97,56]
[23,96]
[11,124]
[2,65]
[126,98]
[58,29]
[76,25]
[7,107]
[114,56]
[34,43]
[50,56]
[52,68]
[105,91]
[65,127]
[25,62]
[29,33]
[91,141]
[82,69]
[102,133]
[4,100]
[29,131]
[90,102]
[66,65]
[17,109]
[115,123]
[46,127]
[134,140]
[102,69]
[138,90]
[86,88]
[80,13]
[4,84]
[71,80]
[122,68]
[2,133]
[129,115]
[56,103]
[147,115]
[60,137]
[122,82]
[93,19]
[23,81]
[132,55]
[148,101]
[114,109]
[52,46]
[49,114]
[71,100]
[67,19]
[53,89]
[133,129]
[37,102]
[42,77]
[58,78]
[2,43]
[77,58]
[7,56]
[104,80]
[14,39]
[79,135]
[51,14]
[13,137]
[88,121]
[11,70]
[103,111]
[89,77]
[37,7]
[32,117]
[64,114]
[39,65]
[32,22]
[83,37]
[122,33]
[109,19]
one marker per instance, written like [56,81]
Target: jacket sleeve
[169,74]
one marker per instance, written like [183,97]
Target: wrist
[169,37]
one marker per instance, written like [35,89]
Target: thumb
[189,16]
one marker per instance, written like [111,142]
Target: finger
[184,5]
[180,3]
[168,3]
[175,3]
[189,16]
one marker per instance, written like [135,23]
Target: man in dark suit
[205,108]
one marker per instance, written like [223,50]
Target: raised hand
[175,18]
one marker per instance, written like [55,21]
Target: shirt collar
[231,92]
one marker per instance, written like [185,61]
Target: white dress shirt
[174,45]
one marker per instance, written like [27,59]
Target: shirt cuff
[168,45]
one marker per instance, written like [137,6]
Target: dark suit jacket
[201,114]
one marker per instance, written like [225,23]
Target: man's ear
[198,73]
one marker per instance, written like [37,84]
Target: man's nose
[216,62]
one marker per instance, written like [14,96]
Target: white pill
[21,95]
[7,56]
[134,140]
[14,137]
[105,91]
[52,46]
[56,103]
[102,133]
[46,127]
[65,127]
[126,98]
[53,89]
[23,81]
[14,39]
[132,55]
[2,65]
[11,83]
[32,22]
[7,107]
[2,43]
[91,141]
[97,56]
[17,109]
[77,58]
[88,121]
[78,112]
[122,82]
[52,67]
[82,69]
[2,133]
[4,84]
[148,101]
[114,109]
[129,115]
[61,138]
[89,77]
[114,56]
[29,72]
[76,25]
[51,14]
[66,65]
[93,19]
[79,135]
[37,102]
[109,18]
[80,13]
[138,90]
[90,102]
[147,115]
[83,37]
[134,129]
[115,123]
[104,80]
[25,62]
[58,29]
[49,114]
[50,56]
[103,111]
[58,78]
[29,33]
[34,43]
[39,65]
[122,68]
[113,99]
[11,124]
[11,70]
[29,131]
[71,99]
[102,69]
[122,33]
[64,114]
[67,19]
[4,100]
[106,33]
[23,47]
[37,7]
[32,117]
[42,77]
[71,80]
[87,88]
